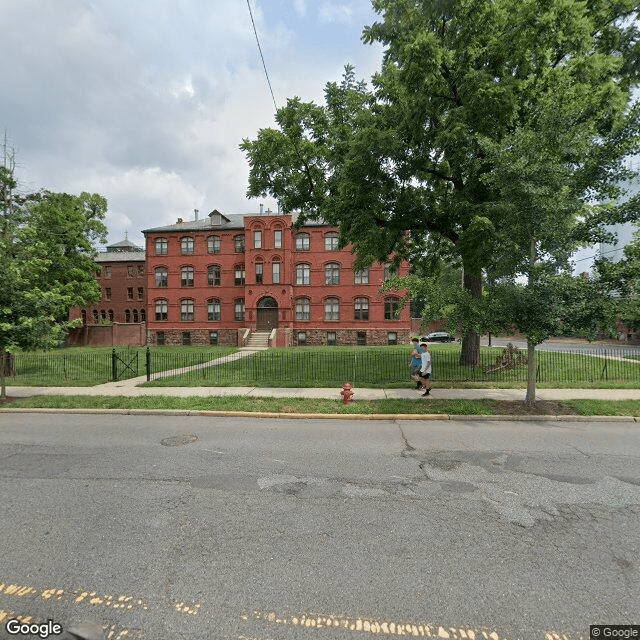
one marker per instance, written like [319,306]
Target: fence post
[114,366]
[148,364]
[604,373]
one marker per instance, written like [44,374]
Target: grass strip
[327,406]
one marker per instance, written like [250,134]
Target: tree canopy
[46,258]
[491,124]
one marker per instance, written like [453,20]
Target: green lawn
[373,367]
[325,406]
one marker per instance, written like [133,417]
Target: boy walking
[416,361]
[425,370]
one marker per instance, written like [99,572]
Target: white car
[438,336]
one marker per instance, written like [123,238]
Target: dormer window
[217,218]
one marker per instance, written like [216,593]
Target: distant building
[122,282]
[221,279]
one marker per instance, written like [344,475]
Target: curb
[331,416]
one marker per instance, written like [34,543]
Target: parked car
[438,336]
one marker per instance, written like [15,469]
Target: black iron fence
[309,367]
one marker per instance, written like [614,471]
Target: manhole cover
[176,441]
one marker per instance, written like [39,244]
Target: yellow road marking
[391,627]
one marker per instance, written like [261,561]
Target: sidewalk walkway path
[129,388]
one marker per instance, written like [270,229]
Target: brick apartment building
[218,279]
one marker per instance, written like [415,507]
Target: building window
[214,312]
[141,271]
[303,309]
[213,338]
[391,308]
[259,272]
[277,239]
[213,244]
[187,312]
[95,316]
[361,309]
[239,275]
[140,293]
[303,242]
[302,338]
[275,272]
[332,309]
[238,243]
[162,310]
[162,277]
[186,277]
[332,273]
[127,315]
[130,271]
[392,337]
[160,338]
[187,245]
[161,246]
[361,277]
[213,275]
[331,338]
[303,274]
[186,338]
[103,314]
[387,272]
[361,338]
[257,239]
[107,292]
[129,293]
[143,315]
[239,309]
[331,242]
[135,315]
[107,272]
[111,316]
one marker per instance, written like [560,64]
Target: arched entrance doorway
[267,314]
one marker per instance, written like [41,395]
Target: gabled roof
[123,245]
[231,221]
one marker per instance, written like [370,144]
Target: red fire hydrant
[346,393]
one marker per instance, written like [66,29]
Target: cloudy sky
[146,102]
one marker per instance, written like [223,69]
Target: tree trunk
[470,353]
[531,374]
[3,388]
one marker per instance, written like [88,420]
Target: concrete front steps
[258,340]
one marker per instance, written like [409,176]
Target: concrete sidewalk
[129,388]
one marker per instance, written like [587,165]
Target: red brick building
[219,279]
[122,282]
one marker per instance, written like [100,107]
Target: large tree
[462,83]
[46,260]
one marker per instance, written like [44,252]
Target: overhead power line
[261,56]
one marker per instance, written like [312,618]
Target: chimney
[196,212]
[261,209]
[180,221]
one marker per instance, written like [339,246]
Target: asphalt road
[195,528]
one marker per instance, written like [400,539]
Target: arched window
[214,310]
[161,246]
[213,244]
[135,315]
[303,274]
[259,271]
[213,275]
[332,273]
[275,271]
[361,309]
[143,315]
[331,242]
[127,315]
[239,275]
[162,277]
[187,310]
[239,309]
[162,310]
[187,245]
[111,315]
[303,242]
[84,316]
[186,276]
[303,309]
[238,243]
[95,316]
[391,308]
[332,309]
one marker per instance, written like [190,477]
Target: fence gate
[119,366]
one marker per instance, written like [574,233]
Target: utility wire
[261,56]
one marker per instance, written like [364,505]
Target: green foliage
[46,258]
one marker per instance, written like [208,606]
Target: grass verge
[326,406]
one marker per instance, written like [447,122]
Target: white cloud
[329,12]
